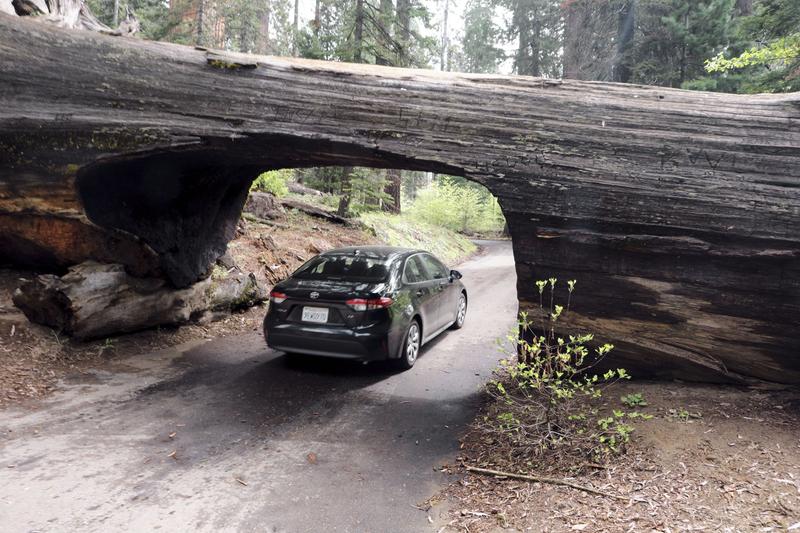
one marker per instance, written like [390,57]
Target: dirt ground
[712,458]
[33,357]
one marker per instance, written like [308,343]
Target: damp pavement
[224,435]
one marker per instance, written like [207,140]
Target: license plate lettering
[315,314]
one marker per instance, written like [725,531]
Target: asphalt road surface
[223,435]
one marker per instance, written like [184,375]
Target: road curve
[224,436]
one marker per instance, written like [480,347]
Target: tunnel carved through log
[678,212]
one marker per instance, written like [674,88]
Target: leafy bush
[273,182]
[458,206]
[682,414]
[634,400]
[547,395]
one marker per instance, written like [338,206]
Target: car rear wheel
[411,346]
[461,312]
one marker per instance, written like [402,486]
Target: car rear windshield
[345,267]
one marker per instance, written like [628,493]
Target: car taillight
[277,297]
[361,304]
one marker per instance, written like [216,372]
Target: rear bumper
[367,343]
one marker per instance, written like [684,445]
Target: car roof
[383,252]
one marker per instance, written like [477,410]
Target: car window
[344,267]
[432,265]
[414,271]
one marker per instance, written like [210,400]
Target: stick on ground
[551,481]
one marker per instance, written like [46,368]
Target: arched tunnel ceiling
[677,211]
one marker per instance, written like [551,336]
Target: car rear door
[449,290]
[440,285]
[420,286]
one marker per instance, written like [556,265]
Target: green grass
[399,230]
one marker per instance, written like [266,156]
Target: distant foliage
[459,206]
[365,187]
[400,230]
[770,60]
[480,46]
[155,17]
[273,182]
[367,190]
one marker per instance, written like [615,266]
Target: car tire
[411,345]
[461,312]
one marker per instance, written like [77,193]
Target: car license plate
[315,314]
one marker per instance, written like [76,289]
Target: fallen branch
[314,211]
[551,481]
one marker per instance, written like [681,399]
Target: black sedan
[365,303]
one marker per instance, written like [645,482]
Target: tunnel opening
[642,284]
[185,203]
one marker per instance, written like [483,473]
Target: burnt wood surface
[678,212]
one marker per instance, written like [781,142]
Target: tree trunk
[445,38]
[385,33]
[200,22]
[263,31]
[573,26]
[317,19]
[295,26]
[744,8]
[358,32]
[394,182]
[522,23]
[346,192]
[621,70]
[403,32]
[678,212]
[535,48]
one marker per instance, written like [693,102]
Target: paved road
[95,457]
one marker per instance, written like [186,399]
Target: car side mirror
[455,274]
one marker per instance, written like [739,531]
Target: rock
[318,246]
[227,261]
[264,205]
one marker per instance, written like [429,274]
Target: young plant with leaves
[547,393]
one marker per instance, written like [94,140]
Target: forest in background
[738,46]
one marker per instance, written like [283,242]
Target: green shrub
[547,395]
[273,182]
[462,207]
[634,400]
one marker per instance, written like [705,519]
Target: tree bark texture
[678,212]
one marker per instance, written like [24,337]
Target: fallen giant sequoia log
[97,300]
[678,212]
